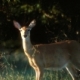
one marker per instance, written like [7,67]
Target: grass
[12,71]
[19,76]
[10,74]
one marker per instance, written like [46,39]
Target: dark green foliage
[54,17]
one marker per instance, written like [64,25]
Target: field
[16,67]
[11,74]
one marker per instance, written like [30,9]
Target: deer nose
[25,36]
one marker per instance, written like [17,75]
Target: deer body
[50,56]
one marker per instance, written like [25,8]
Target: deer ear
[16,24]
[32,23]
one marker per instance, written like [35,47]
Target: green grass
[10,71]
[10,74]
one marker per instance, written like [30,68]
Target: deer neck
[27,46]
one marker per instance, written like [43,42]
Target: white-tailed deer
[56,55]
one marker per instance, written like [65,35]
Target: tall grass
[11,74]
[11,71]
[18,76]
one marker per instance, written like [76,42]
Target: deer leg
[72,71]
[39,74]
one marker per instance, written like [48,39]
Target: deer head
[25,31]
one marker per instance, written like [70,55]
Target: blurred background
[56,20]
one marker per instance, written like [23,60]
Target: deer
[59,55]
